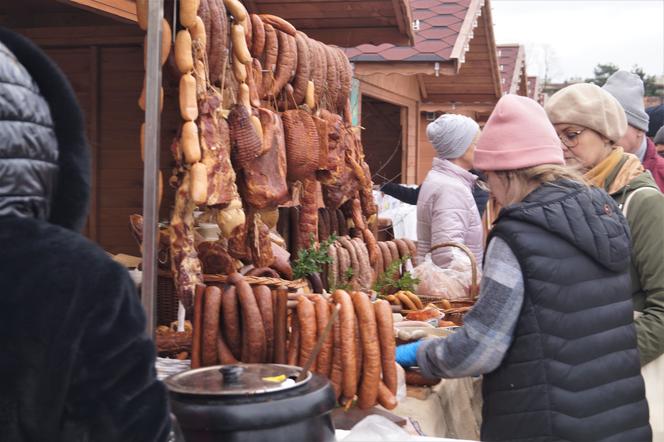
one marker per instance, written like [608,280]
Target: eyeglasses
[570,138]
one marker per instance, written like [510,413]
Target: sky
[578,34]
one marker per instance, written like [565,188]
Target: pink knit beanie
[518,135]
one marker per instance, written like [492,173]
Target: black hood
[583,216]
[44,154]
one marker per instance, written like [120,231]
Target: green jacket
[646,221]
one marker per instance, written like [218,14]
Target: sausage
[283,267]
[223,352]
[347,334]
[336,375]
[263,296]
[412,249]
[257,36]
[359,352]
[212,306]
[372,246]
[343,226]
[344,264]
[263,272]
[371,349]
[306,315]
[387,256]
[316,282]
[366,276]
[294,341]
[415,377]
[402,248]
[385,326]
[230,313]
[253,333]
[324,360]
[385,397]
[198,327]
[379,265]
[355,264]
[408,304]
[333,267]
[394,251]
[356,212]
[280,325]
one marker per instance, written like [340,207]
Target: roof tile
[440,24]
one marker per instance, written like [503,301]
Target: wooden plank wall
[107,77]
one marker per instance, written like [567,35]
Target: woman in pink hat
[552,331]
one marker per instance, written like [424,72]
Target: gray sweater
[480,345]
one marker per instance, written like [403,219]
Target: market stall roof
[512,65]
[344,23]
[454,55]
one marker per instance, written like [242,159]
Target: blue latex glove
[406,355]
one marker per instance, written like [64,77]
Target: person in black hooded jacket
[75,361]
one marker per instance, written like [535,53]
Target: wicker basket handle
[474,283]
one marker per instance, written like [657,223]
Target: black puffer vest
[572,371]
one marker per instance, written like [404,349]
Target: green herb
[390,282]
[312,259]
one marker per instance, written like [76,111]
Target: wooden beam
[391,97]
[83,36]
[449,107]
[354,36]
[396,5]
[403,68]
[123,9]
[487,23]
[423,88]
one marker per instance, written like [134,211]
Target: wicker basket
[167,299]
[462,306]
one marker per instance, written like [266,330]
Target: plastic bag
[452,283]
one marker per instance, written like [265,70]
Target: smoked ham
[264,178]
[185,265]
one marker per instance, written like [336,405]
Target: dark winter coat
[75,362]
[572,371]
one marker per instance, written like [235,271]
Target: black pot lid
[234,380]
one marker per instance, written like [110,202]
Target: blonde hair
[520,182]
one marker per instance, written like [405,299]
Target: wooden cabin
[512,66]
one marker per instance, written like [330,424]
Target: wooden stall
[452,67]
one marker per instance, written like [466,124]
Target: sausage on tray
[371,363]
[263,296]
[253,332]
[347,334]
[385,325]
[324,360]
[281,325]
[211,308]
[306,315]
[230,315]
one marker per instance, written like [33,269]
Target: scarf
[630,168]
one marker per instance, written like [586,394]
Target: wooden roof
[512,66]
[454,55]
[344,23]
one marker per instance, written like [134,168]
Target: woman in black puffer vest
[553,329]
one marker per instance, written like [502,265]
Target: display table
[451,409]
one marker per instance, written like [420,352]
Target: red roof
[440,22]
[508,57]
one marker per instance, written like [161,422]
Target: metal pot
[252,402]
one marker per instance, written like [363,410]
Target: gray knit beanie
[628,90]
[659,136]
[451,135]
